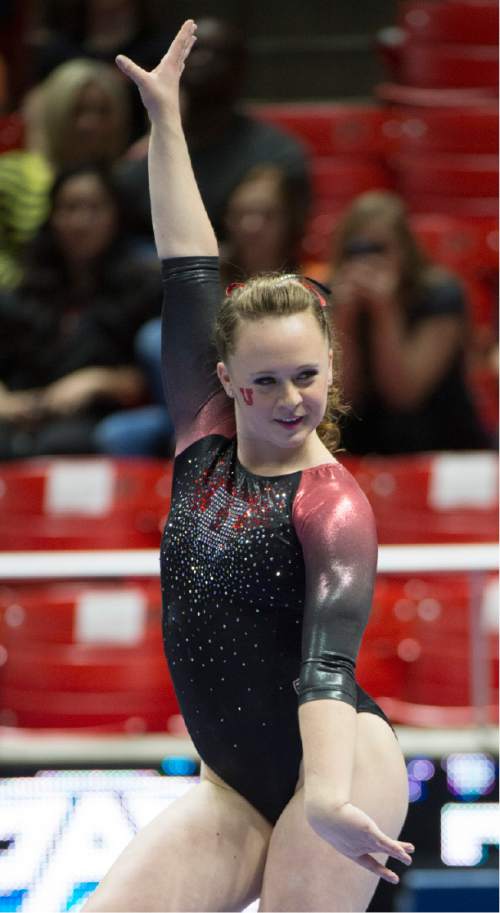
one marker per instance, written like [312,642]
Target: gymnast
[267,563]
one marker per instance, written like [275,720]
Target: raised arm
[187,245]
[181,225]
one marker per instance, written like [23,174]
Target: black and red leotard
[267,581]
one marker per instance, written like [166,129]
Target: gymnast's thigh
[303,872]
[206,851]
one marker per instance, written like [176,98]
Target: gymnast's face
[278,376]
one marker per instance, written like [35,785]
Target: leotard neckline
[282,475]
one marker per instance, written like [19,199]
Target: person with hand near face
[268,561]
[402,323]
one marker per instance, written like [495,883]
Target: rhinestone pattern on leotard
[233,583]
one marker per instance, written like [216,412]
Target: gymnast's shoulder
[329,491]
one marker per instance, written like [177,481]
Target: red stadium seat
[468,176]
[430,499]
[465,98]
[11,132]
[379,669]
[449,66]
[84,668]
[63,613]
[46,485]
[417,646]
[475,209]
[469,22]
[340,179]
[440,671]
[132,711]
[484,385]
[62,503]
[482,307]
[432,716]
[80,655]
[469,248]
[329,129]
[85,685]
[460,130]
[75,532]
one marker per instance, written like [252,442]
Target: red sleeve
[336,529]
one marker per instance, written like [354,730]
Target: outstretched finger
[399,849]
[182,43]
[130,69]
[370,863]
[396,848]
[187,51]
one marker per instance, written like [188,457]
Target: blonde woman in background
[79,114]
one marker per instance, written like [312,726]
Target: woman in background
[67,333]
[264,221]
[403,324]
[80,113]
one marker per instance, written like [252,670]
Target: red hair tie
[231,287]
[308,284]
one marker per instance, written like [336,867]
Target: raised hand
[374,281]
[354,834]
[159,89]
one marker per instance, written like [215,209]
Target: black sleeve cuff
[189,267]
[329,676]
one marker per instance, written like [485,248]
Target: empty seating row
[440,498]
[456,22]
[372,130]
[98,661]
[444,66]
[83,503]
[91,503]
[361,129]
[443,45]
[80,655]
[418,643]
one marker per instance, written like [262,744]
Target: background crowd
[80,293]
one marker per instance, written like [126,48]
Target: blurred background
[356,143]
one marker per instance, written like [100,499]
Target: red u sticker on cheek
[247,394]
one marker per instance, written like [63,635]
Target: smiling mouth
[290,423]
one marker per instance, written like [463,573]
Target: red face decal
[247,394]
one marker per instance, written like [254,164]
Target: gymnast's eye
[307,375]
[264,381]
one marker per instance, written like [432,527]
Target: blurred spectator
[403,326]
[147,430]
[99,29]
[224,142]
[79,113]
[67,333]
[264,224]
